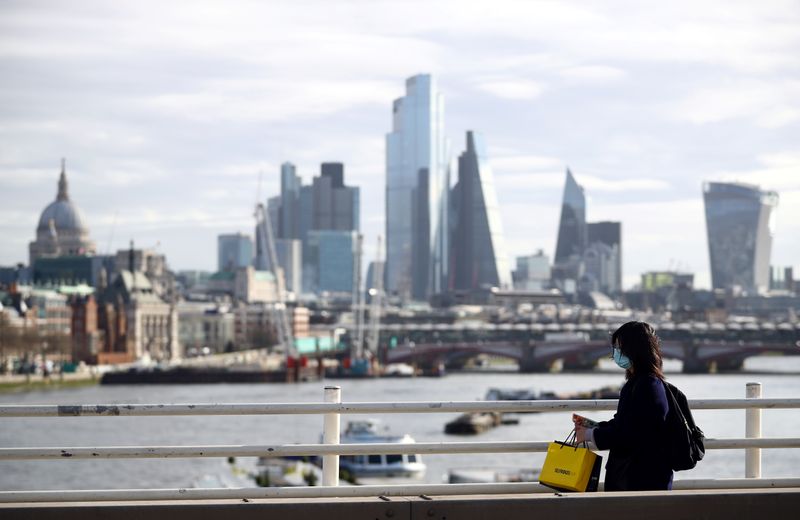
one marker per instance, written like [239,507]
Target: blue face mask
[621,359]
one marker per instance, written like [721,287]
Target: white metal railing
[330,449]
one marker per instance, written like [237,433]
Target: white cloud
[529,227]
[512,88]
[256,101]
[523,163]
[593,74]
[591,183]
[778,171]
[771,104]
[516,183]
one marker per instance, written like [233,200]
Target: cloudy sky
[167,112]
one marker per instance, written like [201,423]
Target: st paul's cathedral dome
[62,230]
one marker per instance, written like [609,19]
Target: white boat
[367,466]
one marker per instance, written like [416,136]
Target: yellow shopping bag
[568,467]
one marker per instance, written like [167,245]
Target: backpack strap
[673,403]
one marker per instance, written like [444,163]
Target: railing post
[752,457]
[330,435]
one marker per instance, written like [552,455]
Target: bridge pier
[729,365]
[692,365]
[456,363]
[579,364]
[530,364]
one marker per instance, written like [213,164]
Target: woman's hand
[580,434]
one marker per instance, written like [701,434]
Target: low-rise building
[205,326]
[244,285]
[137,322]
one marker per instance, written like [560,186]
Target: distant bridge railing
[330,449]
[767,332]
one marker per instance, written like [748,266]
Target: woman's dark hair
[638,341]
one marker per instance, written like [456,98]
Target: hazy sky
[167,112]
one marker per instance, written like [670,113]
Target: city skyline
[176,156]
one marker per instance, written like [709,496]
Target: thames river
[780,377]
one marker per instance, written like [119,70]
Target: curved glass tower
[740,224]
[416,192]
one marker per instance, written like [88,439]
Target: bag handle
[571,439]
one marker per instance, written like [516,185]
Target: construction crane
[375,305]
[279,312]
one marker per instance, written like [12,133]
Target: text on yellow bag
[570,468]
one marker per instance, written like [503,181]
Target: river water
[780,377]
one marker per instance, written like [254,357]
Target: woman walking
[636,436]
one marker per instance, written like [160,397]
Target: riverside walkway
[748,497]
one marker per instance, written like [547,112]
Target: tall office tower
[532,273]
[335,206]
[234,251]
[600,268]
[305,216]
[740,223]
[290,258]
[572,225]
[334,171]
[608,234]
[417,187]
[327,205]
[329,266]
[295,206]
[288,219]
[568,265]
[479,254]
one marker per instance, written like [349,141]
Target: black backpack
[686,447]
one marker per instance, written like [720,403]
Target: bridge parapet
[753,504]
[752,444]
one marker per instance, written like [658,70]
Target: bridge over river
[536,347]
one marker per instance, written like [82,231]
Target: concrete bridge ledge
[674,505]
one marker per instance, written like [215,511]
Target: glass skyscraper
[740,224]
[417,188]
[609,237]
[572,225]
[568,264]
[479,253]
[330,262]
[327,204]
[234,251]
[288,221]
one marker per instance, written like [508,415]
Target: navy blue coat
[636,438]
